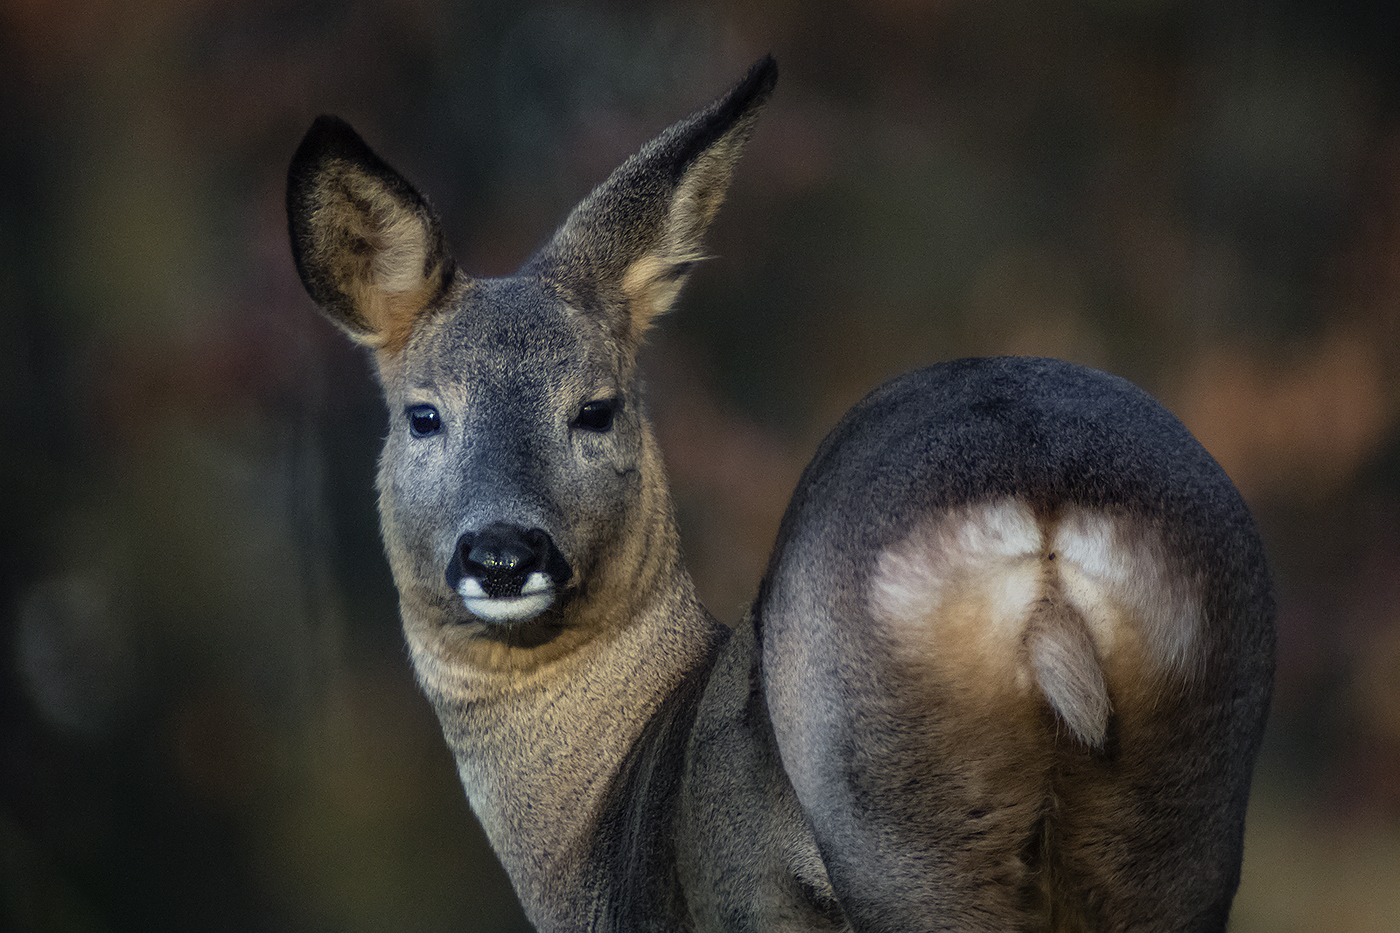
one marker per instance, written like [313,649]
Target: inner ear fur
[368,247]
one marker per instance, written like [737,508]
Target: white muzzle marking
[535,597]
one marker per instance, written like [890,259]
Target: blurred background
[207,719]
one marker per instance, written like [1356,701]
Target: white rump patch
[1118,574]
[978,561]
[1001,601]
[535,597]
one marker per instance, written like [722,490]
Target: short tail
[1067,669]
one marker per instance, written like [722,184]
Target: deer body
[1008,668]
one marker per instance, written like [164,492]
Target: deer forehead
[503,338]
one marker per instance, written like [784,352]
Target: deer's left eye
[598,415]
[423,420]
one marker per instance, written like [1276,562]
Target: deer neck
[540,751]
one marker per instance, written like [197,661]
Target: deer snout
[505,573]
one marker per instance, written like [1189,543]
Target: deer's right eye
[597,416]
[423,420]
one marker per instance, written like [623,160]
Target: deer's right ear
[369,249]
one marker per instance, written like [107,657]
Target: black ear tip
[329,126]
[765,70]
[327,121]
[752,91]
[328,137]
[758,83]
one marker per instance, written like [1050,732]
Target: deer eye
[423,420]
[598,415]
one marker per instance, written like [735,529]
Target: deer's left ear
[629,246]
[369,249]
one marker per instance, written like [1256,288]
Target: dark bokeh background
[207,721]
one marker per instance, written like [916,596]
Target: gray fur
[1008,669]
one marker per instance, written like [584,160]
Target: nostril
[502,557]
[539,544]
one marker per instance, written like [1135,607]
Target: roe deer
[1008,668]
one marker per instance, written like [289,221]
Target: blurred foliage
[208,722]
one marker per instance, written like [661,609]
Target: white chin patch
[535,597]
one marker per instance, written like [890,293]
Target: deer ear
[369,249]
[628,247]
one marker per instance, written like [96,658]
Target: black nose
[501,558]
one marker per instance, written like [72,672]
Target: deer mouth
[534,596]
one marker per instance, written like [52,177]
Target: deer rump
[1016,645]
